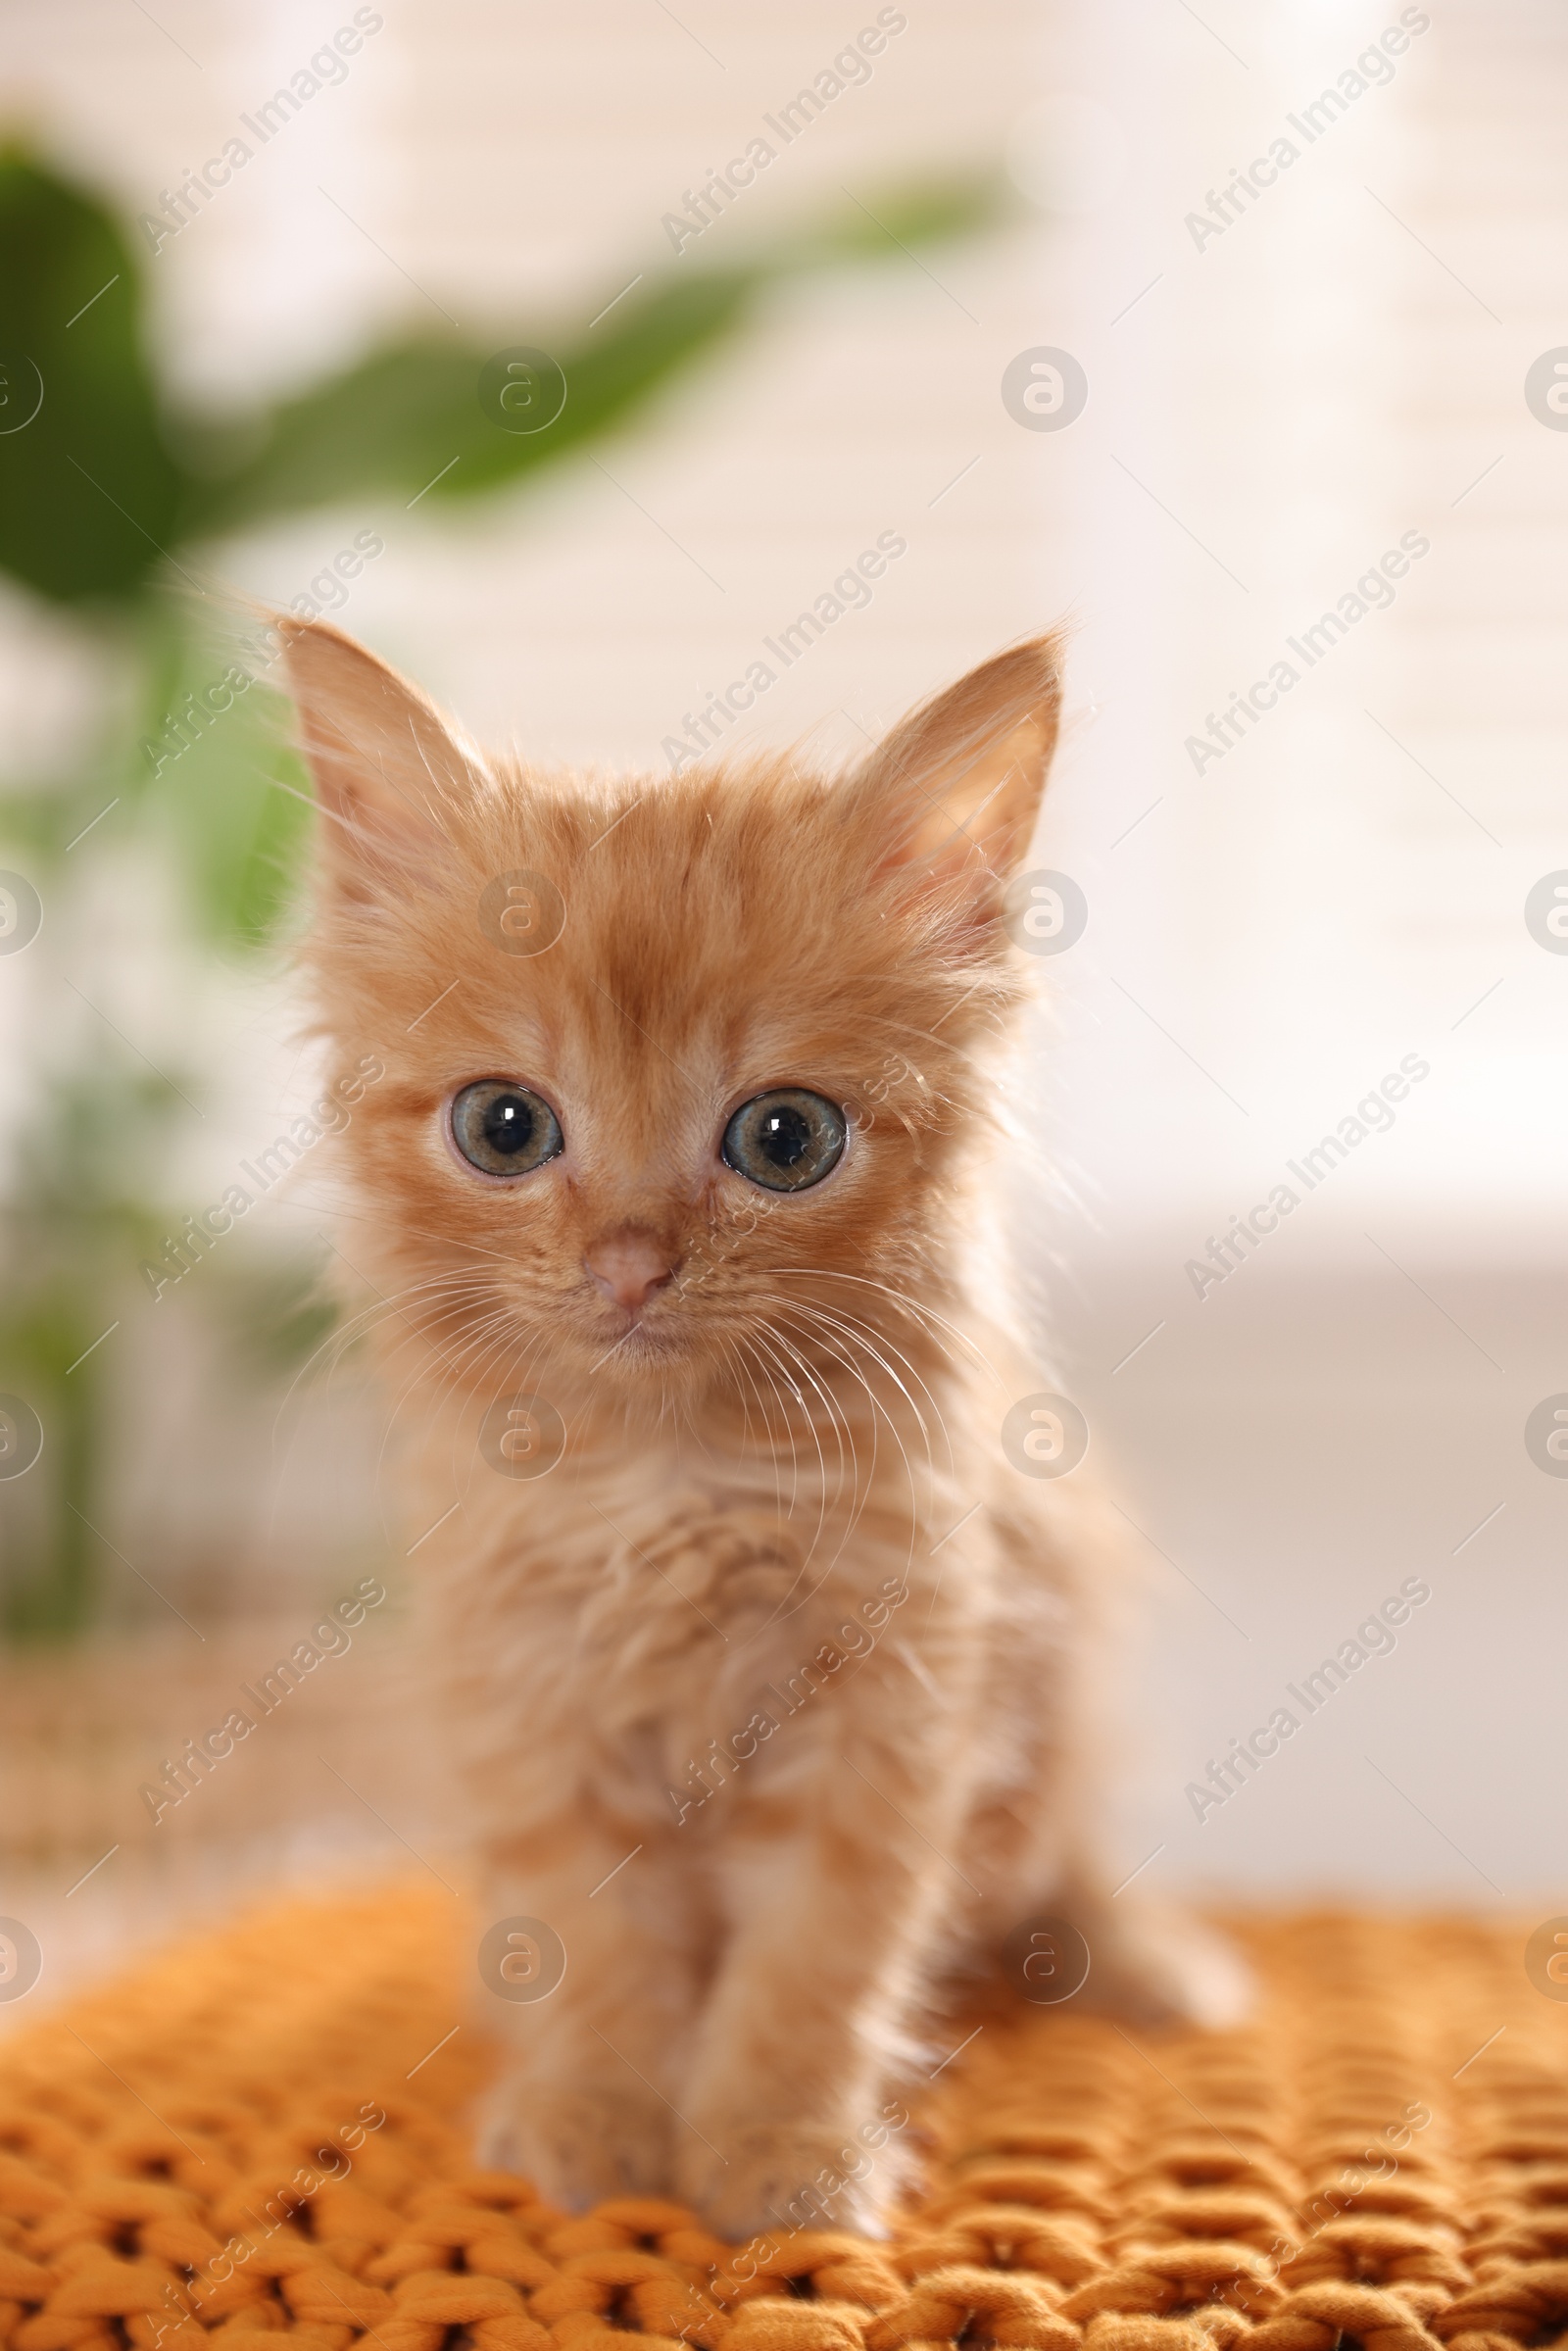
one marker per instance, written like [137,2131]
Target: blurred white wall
[1270,408]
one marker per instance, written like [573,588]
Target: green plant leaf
[411,413]
[407,422]
[235,798]
[89,488]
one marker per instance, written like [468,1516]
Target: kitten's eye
[504,1129]
[785,1141]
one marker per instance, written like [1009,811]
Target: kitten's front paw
[578,2147]
[755,2180]
[1160,1967]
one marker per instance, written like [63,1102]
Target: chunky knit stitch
[258,2140]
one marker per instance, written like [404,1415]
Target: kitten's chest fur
[642,1617]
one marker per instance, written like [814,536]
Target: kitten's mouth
[640,1335]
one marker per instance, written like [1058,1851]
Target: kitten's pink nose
[630,1266]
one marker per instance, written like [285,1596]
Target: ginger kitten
[772,1679]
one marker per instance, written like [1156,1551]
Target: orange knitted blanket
[258,2140]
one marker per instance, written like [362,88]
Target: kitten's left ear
[959,782]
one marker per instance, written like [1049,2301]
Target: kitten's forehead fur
[740,926]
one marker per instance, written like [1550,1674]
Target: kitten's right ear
[955,788]
[390,772]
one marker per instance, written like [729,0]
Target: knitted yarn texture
[258,2142]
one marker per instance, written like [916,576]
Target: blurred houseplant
[105,490]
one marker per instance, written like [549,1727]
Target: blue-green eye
[786,1141]
[503,1128]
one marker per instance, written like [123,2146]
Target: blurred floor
[338,1780]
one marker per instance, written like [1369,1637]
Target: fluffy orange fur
[772,1695]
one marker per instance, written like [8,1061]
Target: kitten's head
[682,1074]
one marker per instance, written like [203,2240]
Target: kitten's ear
[390,772]
[960,779]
